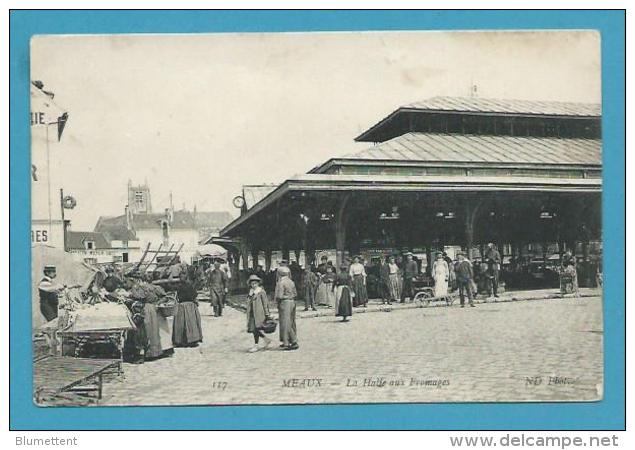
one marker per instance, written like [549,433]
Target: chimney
[128,218]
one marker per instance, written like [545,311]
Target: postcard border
[608,414]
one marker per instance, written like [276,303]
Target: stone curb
[396,307]
[329,312]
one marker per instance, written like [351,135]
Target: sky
[201,115]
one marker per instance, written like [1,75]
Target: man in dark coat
[217,282]
[309,282]
[464,276]
[410,270]
[384,280]
[493,260]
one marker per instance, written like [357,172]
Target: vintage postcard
[316,218]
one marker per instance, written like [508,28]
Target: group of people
[323,285]
[150,297]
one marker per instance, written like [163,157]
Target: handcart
[424,293]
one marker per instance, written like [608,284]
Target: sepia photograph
[316,218]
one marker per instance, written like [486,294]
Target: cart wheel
[421,299]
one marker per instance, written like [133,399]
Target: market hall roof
[478,150]
[303,184]
[253,193]
[485,107]
[506,106]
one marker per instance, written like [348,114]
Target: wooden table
[55,374]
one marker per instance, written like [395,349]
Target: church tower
[139,200]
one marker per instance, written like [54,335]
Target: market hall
[443,172]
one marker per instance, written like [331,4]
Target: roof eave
[366,136]
[321,182]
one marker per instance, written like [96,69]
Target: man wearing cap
[285,296]
[49,293]
[410,270]
[217,282]
[493,260]
[282,263]
[464,276]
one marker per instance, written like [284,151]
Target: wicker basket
[167,310]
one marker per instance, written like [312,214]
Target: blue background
[607,414]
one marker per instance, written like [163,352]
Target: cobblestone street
[539,350]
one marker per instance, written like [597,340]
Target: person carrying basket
[258,318]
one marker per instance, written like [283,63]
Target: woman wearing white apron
[441,274]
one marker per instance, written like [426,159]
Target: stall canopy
[211,251]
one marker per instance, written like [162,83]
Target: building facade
[170,229]
[48,120]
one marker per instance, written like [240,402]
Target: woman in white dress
[441,274]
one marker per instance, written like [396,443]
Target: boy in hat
[464,276]
[49,293]
[257,312]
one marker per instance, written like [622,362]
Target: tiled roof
[114,229]
[180,219]
[431,147]
[487,105]
[213,219]
[254,193]
[76,239]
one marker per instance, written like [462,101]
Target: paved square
[538,350]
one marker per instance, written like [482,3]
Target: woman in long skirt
[257,312]
[394,278]
[187,330]
[451,273]
[326,292]
[441,274]
[343,301]
[357,273]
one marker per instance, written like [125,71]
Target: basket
[167,310]
[269,326]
